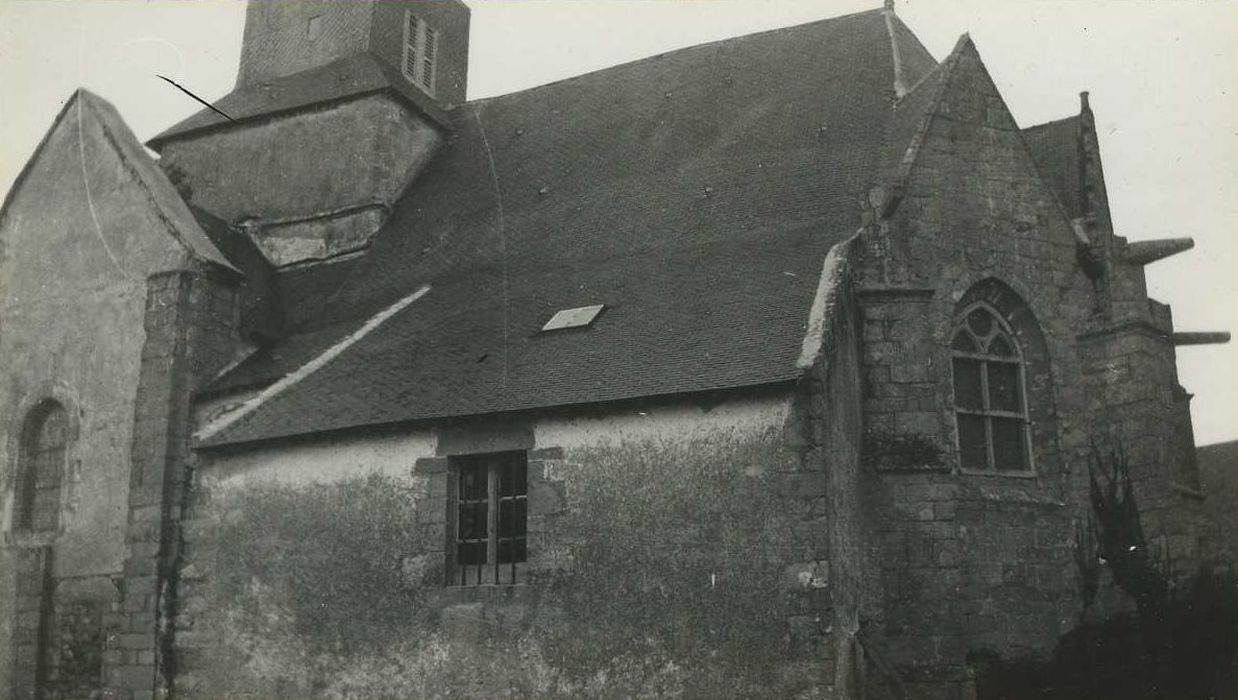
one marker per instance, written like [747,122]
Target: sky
[1162,76]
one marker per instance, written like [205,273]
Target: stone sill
[484,593]
[1004,475]
[913,469]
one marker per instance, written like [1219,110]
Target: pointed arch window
[989,394]
[44,444]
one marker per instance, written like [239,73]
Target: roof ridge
[684,49]
[900,87]
[910,153]
[1223,443]
[1052,122]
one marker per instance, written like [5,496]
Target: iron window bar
[490,513]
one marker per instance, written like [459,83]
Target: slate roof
[1218,469]
[345,78]
[907,126]
[1055,150]
[695,194]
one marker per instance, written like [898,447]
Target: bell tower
[338,107]
[425,40]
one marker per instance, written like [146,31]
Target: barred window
[489,512]
[44,442]
[420,52]
[989,397]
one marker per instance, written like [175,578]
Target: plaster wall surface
[375,146]
[674,547]
[78,238]
[661,423]
[323,461]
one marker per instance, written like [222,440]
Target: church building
[771,367]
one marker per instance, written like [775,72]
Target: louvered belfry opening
[489,513]
[424,44]
[420,51]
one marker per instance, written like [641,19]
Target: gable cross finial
[889,5]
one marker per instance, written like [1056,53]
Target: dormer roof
[347,78]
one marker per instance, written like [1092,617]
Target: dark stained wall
[1218,467]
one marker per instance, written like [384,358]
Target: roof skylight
[573,318]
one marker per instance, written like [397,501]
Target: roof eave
[392,84]
[222,442]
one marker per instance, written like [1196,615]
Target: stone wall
[191,332]
[1218,466]
[283,38]
[83,228]
[829,419]
[981,564]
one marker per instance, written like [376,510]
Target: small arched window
[44,443]
[989,394]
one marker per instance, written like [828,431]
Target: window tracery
[989,394]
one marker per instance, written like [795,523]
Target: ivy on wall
[1114,537]
[666,575]
[331,558]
